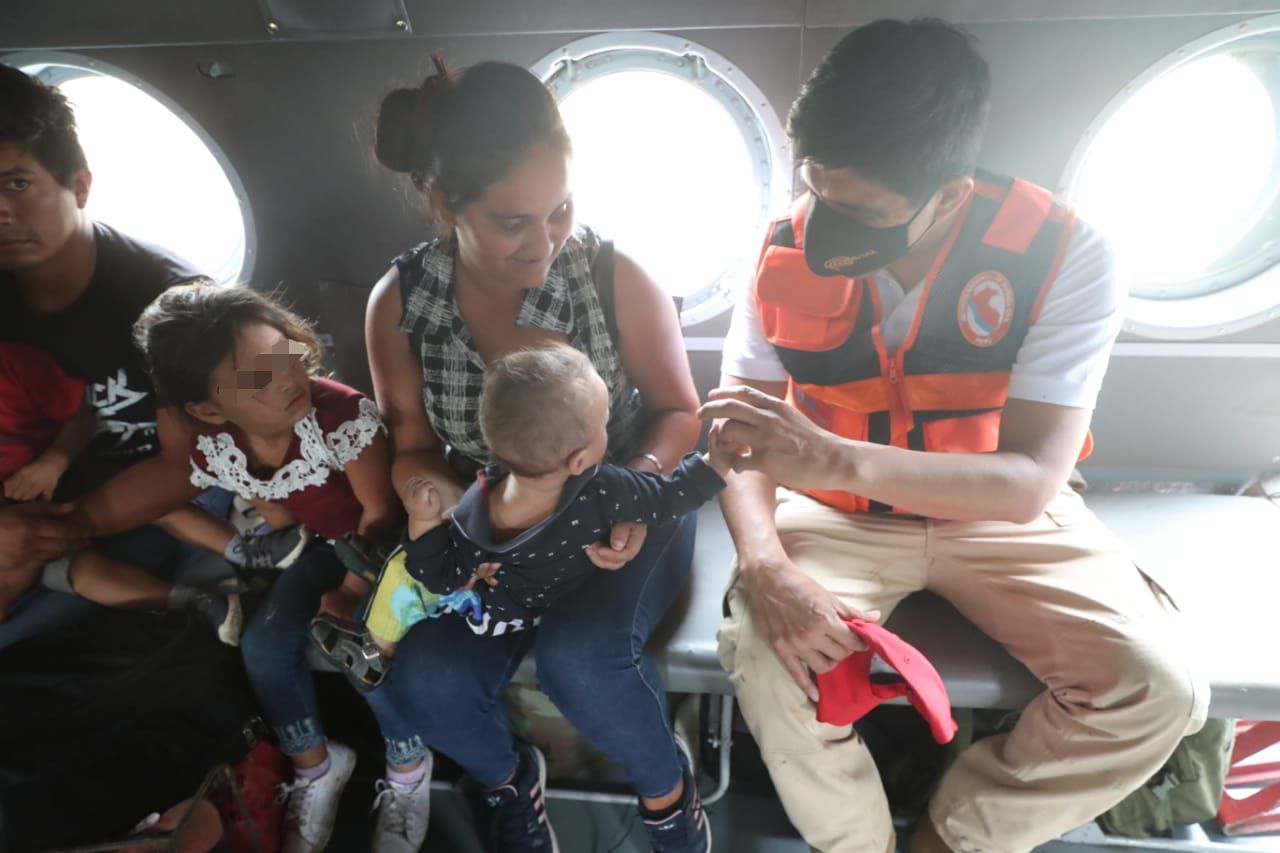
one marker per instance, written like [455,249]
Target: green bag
[1186,790]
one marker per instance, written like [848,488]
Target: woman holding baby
[511,269]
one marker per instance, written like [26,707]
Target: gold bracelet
[657,463]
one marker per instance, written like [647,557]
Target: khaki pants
[1060,595]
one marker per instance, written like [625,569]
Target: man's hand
[36,480]
[625,541]
[801,620]
[36,533]
[784,444]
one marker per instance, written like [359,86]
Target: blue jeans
[150,548]
[446,687]
[274,646]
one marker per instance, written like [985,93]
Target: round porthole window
[156,175]
[1182,172]
[677,156]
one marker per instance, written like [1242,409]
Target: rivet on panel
[272,27]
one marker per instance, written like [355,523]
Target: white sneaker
[311,805]
[402,815]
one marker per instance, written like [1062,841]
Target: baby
[544,414]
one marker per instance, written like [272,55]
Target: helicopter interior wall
[296,117]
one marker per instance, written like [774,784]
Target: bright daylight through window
[1182,172]
[676,157]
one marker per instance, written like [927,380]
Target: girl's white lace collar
[319,454]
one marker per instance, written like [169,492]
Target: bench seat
[1218,556]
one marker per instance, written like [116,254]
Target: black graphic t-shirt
[92,339]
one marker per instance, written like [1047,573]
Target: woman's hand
[197,834]
[625,541]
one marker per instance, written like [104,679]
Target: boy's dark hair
[533,408]
[187,330]
[903,103]
[39,120]
[457,133]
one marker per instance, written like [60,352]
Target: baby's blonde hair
[534,408]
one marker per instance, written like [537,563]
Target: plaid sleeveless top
[452,369]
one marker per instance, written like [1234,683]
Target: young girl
[302,449]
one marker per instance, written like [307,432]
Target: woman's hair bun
[394,143]
[403,120]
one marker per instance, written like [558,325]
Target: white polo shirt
[1062,359]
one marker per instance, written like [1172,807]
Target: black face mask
[837,245]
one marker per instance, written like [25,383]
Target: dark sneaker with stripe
[274,549]
[516,813]
[684,828]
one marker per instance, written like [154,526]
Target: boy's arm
[40,477]
[646,498]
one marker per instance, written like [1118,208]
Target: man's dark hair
[903,103]
[38,119]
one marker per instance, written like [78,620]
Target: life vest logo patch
[985,311]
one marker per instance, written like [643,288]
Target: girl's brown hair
[187,330]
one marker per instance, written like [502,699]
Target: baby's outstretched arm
[630,495]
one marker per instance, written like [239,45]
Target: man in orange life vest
[939,337]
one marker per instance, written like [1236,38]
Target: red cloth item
[257,827]
[36,399]
[847,693]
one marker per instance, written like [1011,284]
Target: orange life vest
[944,388]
